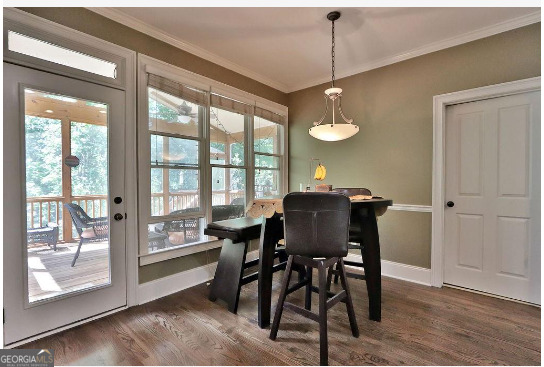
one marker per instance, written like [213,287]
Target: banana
[317,173]
[323,172]
[320,172]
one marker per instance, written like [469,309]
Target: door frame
[440,102]
[70,36]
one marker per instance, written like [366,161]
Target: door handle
[118,216]
[450,204]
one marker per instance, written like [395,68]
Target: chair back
[79,217]
[353,191]
[316,224]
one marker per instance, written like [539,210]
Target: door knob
[450,204]
[118,216]
[118,200]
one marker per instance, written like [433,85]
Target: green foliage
[43,147]
[90,144]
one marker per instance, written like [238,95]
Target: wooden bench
[229,275]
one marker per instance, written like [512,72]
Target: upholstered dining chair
[316,229]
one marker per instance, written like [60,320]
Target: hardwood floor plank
[420,326]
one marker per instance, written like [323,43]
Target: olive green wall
[101,27]
[393,106]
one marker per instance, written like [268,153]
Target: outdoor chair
[89,229]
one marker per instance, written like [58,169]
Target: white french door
[64,209]
[492,214]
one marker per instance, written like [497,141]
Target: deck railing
[44,210]
[188,199]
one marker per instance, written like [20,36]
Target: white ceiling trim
[154,32]
[138,25]
[432,47]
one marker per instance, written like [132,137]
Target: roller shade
[231,105]
[269,115]
[177,89]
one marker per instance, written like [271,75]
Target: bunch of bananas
[320,172]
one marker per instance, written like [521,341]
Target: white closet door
[492,231]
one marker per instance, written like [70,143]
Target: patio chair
[89,229]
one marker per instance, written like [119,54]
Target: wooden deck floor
[420,326]
[50,272]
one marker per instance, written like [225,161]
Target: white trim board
[411,208]
[409,273]
[166,286]
[440,103]
[163,287]
[138,25]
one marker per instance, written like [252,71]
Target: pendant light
[334,131]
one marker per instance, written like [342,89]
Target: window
[59,55]
[176,115]
[268,153]
[206,154]
[229,120]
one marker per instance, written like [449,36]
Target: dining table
[365,209]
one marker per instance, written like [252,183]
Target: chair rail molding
[440,102]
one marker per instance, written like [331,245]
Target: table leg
[271,233]
[372,264]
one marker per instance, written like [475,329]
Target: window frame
[147,65]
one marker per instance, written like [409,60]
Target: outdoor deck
[50,273]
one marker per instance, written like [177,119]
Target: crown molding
[432,47]
[154,32]
[138,25]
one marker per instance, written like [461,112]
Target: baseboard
[409,273]
[163,287]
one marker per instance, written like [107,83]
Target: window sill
[193,248]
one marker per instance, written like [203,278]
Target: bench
[229,275]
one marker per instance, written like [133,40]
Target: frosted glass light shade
[334,132]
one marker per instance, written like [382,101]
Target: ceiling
[289,48]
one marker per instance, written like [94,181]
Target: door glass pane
[227,134]
[228,193]
[174,189]
[66,159]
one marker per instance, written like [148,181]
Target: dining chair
[316,227]
[354,236]
[89,229]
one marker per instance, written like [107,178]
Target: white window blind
[269,115]
[177,89]
[231,105]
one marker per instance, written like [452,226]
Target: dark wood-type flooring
[420,326]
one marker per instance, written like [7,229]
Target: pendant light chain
[332,53]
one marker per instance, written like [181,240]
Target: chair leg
[349,302]
[308,300]
[281,299]
[77,252]
[329,277]
[336,274]
[323,339]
